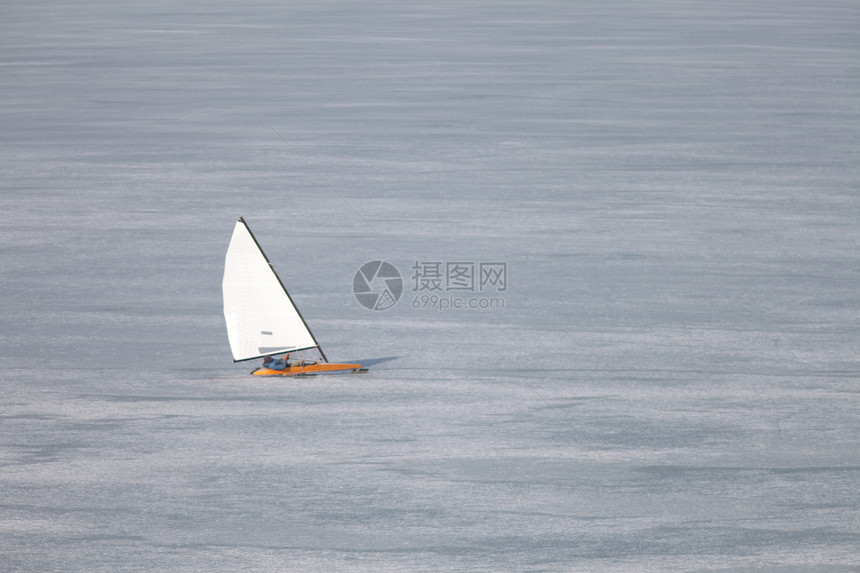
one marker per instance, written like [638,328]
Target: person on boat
[279,364]
[283,363]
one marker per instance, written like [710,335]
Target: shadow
[374,361]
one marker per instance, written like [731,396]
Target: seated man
[282,363]
[279,364]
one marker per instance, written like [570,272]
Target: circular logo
[377,285]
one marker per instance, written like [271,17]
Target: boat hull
[308,369]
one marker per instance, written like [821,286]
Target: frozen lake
[666,379]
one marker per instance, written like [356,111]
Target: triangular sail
[261,317]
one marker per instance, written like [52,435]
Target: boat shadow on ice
[376,361]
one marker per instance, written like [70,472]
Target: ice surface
[671,384]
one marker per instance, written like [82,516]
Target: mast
[286,292]
[261,316]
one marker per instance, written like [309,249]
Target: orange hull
[309,369]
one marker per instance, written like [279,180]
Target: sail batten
[260,314]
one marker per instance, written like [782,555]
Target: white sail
[261,317]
